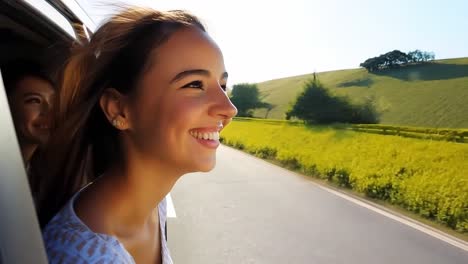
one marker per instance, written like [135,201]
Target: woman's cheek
[31,112]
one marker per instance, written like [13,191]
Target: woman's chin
[207,167]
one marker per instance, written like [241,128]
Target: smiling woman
[30,92]
[139,106]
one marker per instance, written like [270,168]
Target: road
[249,211]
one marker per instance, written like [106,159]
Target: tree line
[396,58]
[315,104]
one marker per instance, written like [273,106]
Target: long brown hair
[83,144]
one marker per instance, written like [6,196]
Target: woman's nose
[46,108]
[224,108]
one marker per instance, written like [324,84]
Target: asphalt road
[249,211]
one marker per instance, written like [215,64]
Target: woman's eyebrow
[30,94]
[190,72]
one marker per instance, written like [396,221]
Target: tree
[390,59]
[421,56]
[315,104]
[414,56]
[427,56]
[418,56]
[246,97]
[371,64]
[396,58]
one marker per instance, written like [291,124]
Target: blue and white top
[68,240]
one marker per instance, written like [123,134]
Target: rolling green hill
[429,95]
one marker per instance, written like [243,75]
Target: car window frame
[21,239]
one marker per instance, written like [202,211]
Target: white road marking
[170,207]
[404,220]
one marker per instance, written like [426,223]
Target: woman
[139,106]
[30,92]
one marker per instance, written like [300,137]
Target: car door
[43,21]
[20,236]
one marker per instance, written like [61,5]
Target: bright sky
[267,39]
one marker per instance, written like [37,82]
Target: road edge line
[454,241]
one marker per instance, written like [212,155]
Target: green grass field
[427,177]
[428,95]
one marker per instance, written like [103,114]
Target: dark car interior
[40,31]
[26,34]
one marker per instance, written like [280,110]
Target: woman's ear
[113,104]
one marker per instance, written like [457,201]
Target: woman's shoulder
[68,240]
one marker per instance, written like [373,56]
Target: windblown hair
[83,144]
[15,71]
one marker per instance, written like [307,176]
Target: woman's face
[181,103]
[30,102]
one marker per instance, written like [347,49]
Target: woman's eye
[194,84]
[33,101]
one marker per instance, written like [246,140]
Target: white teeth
[206,135]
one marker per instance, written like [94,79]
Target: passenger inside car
[30,93]
[37,31]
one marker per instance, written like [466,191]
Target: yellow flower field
[424,176]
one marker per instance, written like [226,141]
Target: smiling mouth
[45,127]
[214,136]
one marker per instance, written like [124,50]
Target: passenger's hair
[16,70]
[83,144]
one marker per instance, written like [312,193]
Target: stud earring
[116,123]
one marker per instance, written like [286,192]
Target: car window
[53,15]
[21,240]
[34,31]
